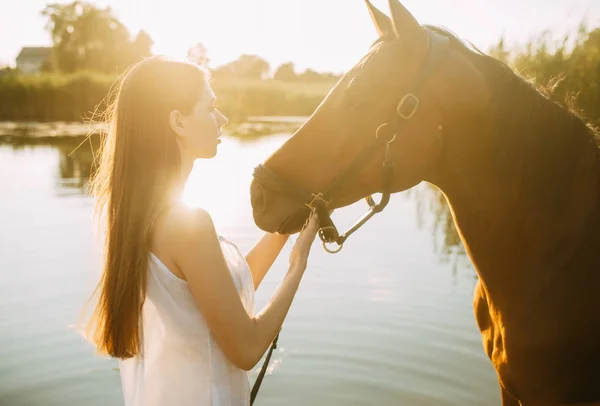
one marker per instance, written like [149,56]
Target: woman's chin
[208,154]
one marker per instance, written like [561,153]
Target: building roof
[35,52]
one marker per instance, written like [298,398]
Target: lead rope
[263,371]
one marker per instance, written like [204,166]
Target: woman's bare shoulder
[181,219]
[177,228]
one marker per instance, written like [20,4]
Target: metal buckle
[316,197]
[408,97]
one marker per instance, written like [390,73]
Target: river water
[388,321]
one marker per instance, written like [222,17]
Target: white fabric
[181,364]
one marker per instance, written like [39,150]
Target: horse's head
[399,96]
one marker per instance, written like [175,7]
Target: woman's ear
[176,123]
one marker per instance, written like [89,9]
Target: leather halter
[319,202]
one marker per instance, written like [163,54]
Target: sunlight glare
[177,25]
[212,179]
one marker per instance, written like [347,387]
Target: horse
[520,173]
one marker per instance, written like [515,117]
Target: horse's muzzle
[276,212]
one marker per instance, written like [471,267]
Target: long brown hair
[139,173]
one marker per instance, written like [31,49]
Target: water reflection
[432,205]
[75,166]
[75,162]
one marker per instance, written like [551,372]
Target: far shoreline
[13,132]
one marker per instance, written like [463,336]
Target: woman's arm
[261,257]
[242,338]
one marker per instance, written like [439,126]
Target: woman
[176,299]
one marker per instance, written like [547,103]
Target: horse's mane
[536,139]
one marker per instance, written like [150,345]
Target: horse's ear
[383,24]
[405,25]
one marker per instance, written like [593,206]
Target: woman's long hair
[139,173]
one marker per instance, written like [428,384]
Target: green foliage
[568,69]
[87,37]
[53,97]
[245,67]
[286,72]
[239,99]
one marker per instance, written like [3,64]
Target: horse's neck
[512,233]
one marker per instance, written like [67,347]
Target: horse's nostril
[257,197]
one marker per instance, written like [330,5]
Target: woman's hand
[299,255]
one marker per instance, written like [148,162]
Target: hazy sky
[322,34]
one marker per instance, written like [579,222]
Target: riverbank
[50,132]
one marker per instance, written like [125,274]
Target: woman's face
[198,133]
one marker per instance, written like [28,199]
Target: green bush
[569,69]
[51,97]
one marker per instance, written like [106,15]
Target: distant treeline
[76,96]
[570,68]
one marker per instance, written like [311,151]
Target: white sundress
[182,365]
